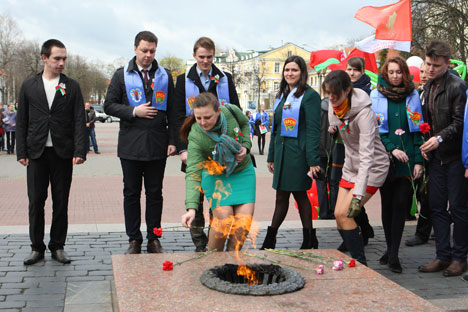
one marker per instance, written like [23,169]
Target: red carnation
[168,266]
[352,263]
[157,231]
[424,127]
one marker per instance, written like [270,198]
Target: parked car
[103,117]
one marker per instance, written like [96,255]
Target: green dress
[409,142]
[292,157]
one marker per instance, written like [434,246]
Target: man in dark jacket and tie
[51,138]
[140,94]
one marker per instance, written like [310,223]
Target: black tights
[282,205]
[261,143]
[396,199]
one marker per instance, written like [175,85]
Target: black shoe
[342,247]
[465,278]
[200,249]
[96,152]
[154,246]
[309,239]
[384,259]
[61,256]
[33,257]
[134,247]
[415,241]
[394,265]
[270,239]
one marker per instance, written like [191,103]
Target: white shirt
[49,88]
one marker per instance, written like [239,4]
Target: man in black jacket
[445,98]
[141,95]
[202,77]
[51,138]
[90,121]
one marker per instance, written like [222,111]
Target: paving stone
[71,273]
[47,309]
[10,291]
[10,304]
[35,297]
[44,303]
[84,278]
[88,292]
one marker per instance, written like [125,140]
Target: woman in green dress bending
[293,155]
[219,165]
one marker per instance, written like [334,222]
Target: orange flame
[236,227]
[212,166]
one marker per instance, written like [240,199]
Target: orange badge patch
[190,101]
[289,123]
[160,96]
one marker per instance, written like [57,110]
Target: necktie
[145,76]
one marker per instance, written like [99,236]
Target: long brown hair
[301,85]
[403,67]
[202,100]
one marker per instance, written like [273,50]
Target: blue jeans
[447,183]
[92,136]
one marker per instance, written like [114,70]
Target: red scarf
[341,110]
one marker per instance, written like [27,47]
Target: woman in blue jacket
[262,122]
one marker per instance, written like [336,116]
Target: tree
[443,20]
[10,38]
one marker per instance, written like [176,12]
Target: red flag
[392,22]
[320,56]
[371,63]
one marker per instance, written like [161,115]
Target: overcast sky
[105,29]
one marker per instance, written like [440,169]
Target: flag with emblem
[391,22]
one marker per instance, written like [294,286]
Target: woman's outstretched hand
[240,157]
[187,218]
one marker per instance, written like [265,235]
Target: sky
[104,30]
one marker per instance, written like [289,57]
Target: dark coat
[66,120]
[179,98]
[292,157]
[91,117]
[447,122]
[141,138]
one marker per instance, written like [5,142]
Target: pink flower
[168,266]
[320,270]
[338,265]
[399,131]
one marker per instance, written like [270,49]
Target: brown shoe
[134,248]
[154,246]
[455,268]
[435,266]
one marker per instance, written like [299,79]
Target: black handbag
[252,157]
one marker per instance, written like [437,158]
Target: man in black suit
[51,138]
[141,95]
[202,77]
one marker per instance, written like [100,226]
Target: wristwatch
[359,197]
[439,138]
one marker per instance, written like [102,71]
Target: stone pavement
[86,284]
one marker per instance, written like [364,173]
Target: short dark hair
[336,82]
[437,48]
[147,36]
[302,85]
[204,42]
[47,46]
[357,62]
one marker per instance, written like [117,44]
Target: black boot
[310,239]
[270,239]
[353,242]
[362,221]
